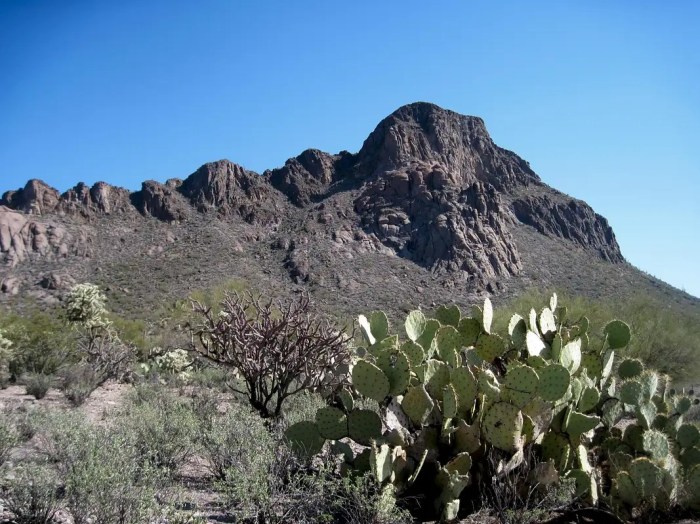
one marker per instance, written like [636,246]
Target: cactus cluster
[454,391]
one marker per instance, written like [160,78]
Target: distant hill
[429,210]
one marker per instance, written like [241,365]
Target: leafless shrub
[277,349]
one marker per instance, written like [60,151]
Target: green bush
[106,480]
[161,425]
[37,384]
[30,493]
[78,382]
[9,436]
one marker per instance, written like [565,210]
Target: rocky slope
[428,209]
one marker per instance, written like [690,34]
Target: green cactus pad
[578,423]
[390,343]
[449,402]
[626,490]
[489,347]
[682,404]
[613,410]
[547,324]
[369,380]
[607,361]
[415,324]
[589,399]
[397,369]
[436,375]
[554,382]
[618,334]
[584,481]
[414,352]
[503,425]
[688,435]
[332,423]
[690,457]
[655,444]
[346,399]
[366,329]
[593,364]
[426,337]
[649,381]
[380,462]
[465,387]
[364,425]
[379,324]
[645,413]
[448,342]
[467,438]
[469,329]
[517,329]
[630,392]
[540,413]
[488,385]
[650,480]
[553,302]
[417,404]
[557,344]
[630,368]
[532,322]
[570,356]
[534,344]
[304,438]
[448,315]
[556,447]
[634,437]
[341,448]
[520,385]
[693,487]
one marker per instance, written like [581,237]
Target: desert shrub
[37,384]
[161,426]
[31,494]
[106,479]
[9,436]
[78,382]
[278,349]
[235,440]
[210,377]
[173,364]
[6,354]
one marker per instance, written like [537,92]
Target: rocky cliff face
[428,186]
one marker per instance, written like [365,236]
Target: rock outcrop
[36,198]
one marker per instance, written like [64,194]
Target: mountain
[430,210]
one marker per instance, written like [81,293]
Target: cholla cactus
[174,362]
[85,305]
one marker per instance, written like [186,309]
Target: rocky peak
[308,176]
[101,198]
[229,189]
[36,198]
[428,133]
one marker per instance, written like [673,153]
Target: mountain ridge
[428,187]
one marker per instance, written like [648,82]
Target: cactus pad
[417,404]
[593,364]
[578,423]
[379,324]
[589,399]
[487,315]
[547,323]
[415,324]
[540,413]
[414,352]
[503,425]
[448,342]
[304,438]
[366,329]
[555,447]
[369,380]
[448,315]
[630,368]
[465,387]
[426,337]
[488,347]
[488,385]
[570,356]
[436,375]
[646,414]
[554,382]
[532,321]
[520,385]
[469,329]
[364,425]
[380,462]
[650,480]
[688,435]
[534,344]
[618,334]
[517,329]
[332,423]
[693,486]
[449,402]
[655,444]
[626,490]
[467,438]
[346,399]
[397,369]
[682,404]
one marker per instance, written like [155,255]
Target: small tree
[5,356]
[103,354]
[278,349]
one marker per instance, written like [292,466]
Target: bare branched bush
[277,349]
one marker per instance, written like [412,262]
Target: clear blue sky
[602,97]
